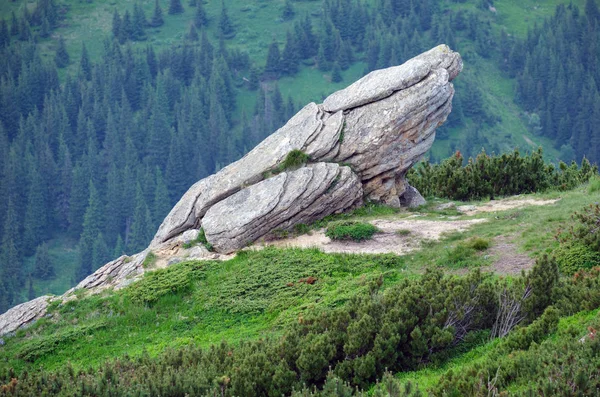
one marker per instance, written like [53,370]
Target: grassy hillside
[259,293]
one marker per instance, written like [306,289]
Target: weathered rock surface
[360,143]
[23,314]
[302,196]
[381,126]
[412,198]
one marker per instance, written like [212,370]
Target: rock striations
[358,145]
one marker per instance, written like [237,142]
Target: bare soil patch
[503,205]
[508,260]
[414,231]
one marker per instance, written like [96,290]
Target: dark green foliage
[336,74]
[294,160]
[272,68]
[580,241]
[493,176]
[155,285]
[350,230]
[200,239]
[225,25]
[288,11]
[200,17]
[175,7]
[43,266]
[157,16]
[61,57]
[560,86]
[92,226]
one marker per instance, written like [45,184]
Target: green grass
[201,302]
[258,292]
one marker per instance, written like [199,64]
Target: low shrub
[174,279]
[594,185]
[478,244]
[574,257]
[497,175]
[350,230]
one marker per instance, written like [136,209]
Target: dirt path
[397,236]
[502,205]
[405,235]
[507,260]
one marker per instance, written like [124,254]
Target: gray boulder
[412,198]
[23,314]
[380,126]
[302,196]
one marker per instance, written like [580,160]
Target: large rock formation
[359,144]
[380,126]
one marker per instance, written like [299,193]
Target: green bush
[174,279]
[350,230]
[478,244]
[574,257]
[594,185]
[497,175]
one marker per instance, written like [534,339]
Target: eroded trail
[401,236]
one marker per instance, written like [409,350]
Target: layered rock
[380,126]
[360,143]
[302,196]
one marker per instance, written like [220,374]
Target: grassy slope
[249,297]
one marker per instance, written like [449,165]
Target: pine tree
[92,226]
[157,16]
[193,33]
[139,23]
[44,30]
[193,3]
[100,254]
[126,31]
[116,24]
[61,58]
[272,67]
[288,12]
[336,74]
[141,228]
[4,34]
[162,203]
[85,66]
[43,270]
[30,290]
[119,249]
[225,24]
[36,219]
[200,18]
[175,7]
[10,259]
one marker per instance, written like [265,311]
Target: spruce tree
[116,25]
[100,254]
[272,66]
[61,57]
[336,74]
[126,32]
[92,226]
[288,11]
[139,23]
[193,33]
[193,3]
[175,7]
[85,66]
[36,219]
[200,18]
[225,24]
[141,228]
[43,270]
[157,16]
[10,259]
